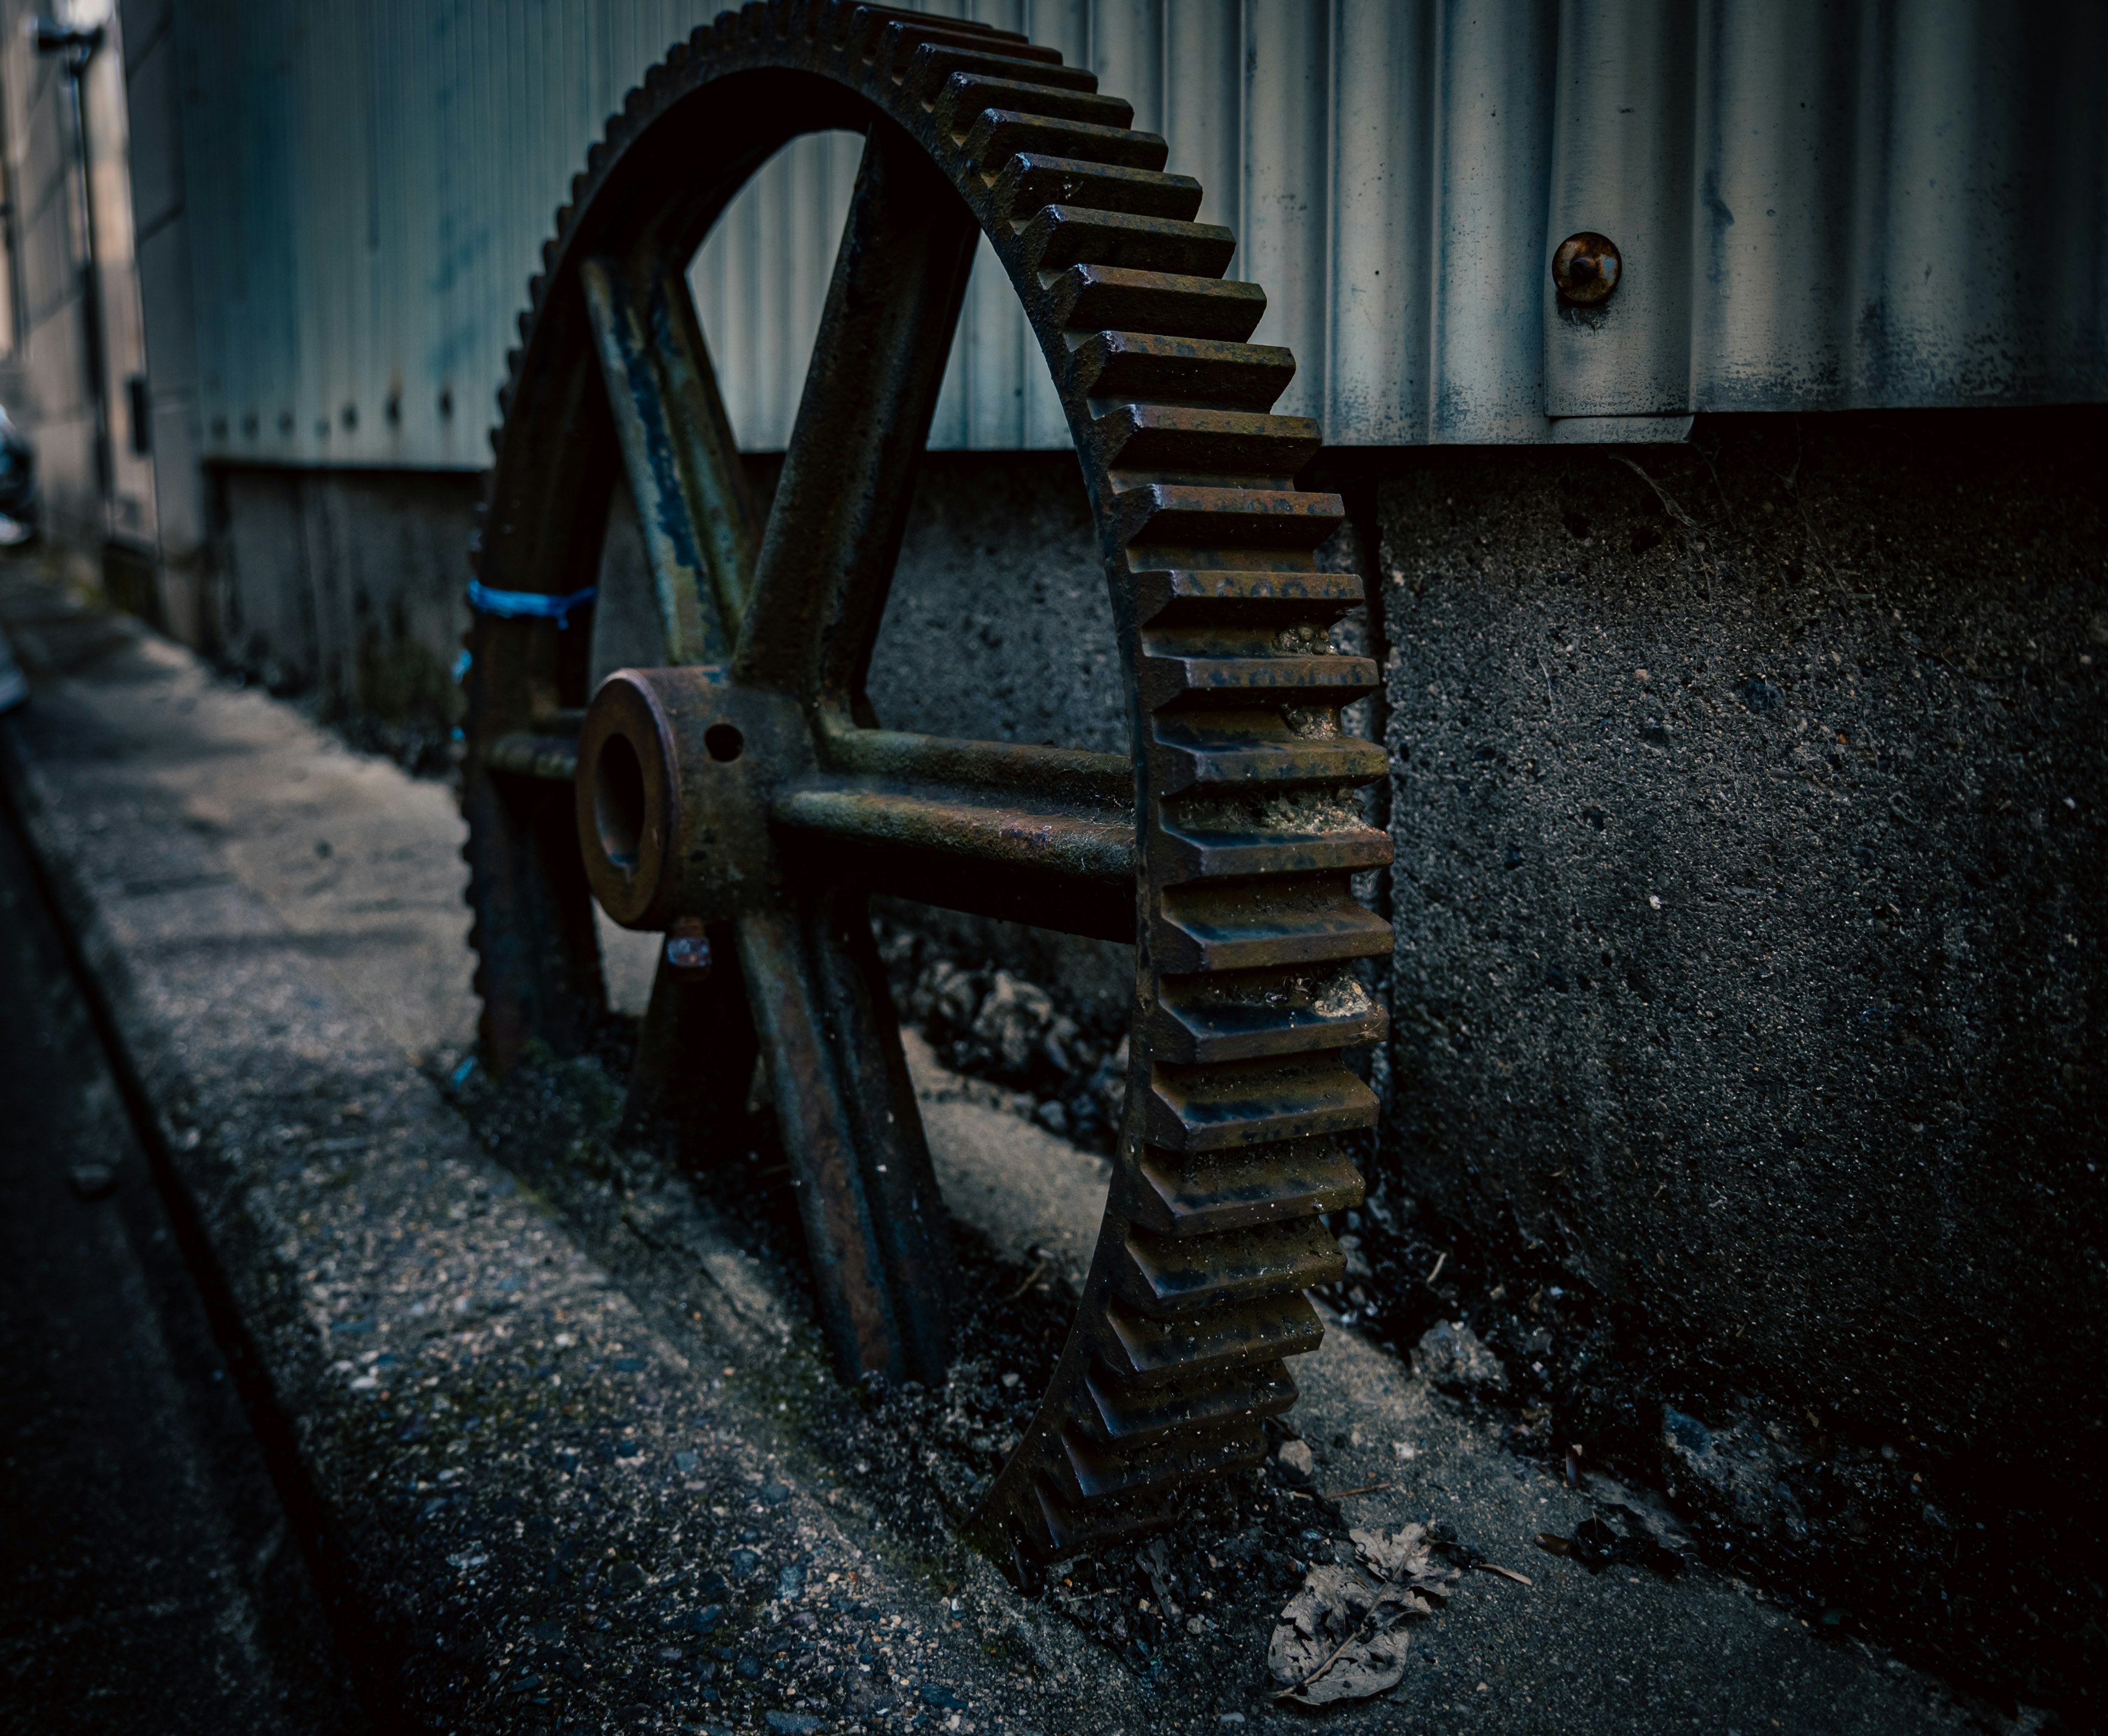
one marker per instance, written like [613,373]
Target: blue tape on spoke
[464,661]
[529,605]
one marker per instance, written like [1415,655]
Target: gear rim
[1246,928]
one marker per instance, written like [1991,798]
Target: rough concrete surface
[1748,991]
[570,1434]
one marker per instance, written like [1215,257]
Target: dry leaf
[1341,1636]
[1405,1557]
[1320,1673]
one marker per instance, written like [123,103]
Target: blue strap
[512,604]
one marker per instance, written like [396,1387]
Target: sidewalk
[584,1463]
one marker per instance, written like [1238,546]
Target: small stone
[936,1694]
[1298,1464]
[684,1462]
[792,1724]
[91,1181]
[775,1494]
[1450,1354]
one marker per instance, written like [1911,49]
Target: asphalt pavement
[150,1579]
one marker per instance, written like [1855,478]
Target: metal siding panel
[1493,73]
[1820,205]
[989,353]
[1288,149]
[1775,102]
[1621,163]
[1379,220]
[1203,87]
[1127,53]
[1071,27]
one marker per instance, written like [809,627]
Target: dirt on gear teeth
[1226,849]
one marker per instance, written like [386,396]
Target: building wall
[1820,205]
[190,601]
[46,374]
[349,585]
[1748,992]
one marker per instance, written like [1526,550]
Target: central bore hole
[724,743]
[618,802]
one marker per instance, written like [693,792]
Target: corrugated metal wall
[1821,203]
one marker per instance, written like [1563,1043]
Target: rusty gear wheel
[744,797]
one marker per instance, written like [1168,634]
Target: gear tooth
[497,435]
[537,286]
[579,183]
[595,156]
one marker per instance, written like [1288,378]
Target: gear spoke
[874,1220]
[701,529]
[849,475]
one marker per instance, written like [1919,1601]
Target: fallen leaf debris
[1343,1635]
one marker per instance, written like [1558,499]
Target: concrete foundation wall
[1749,988]
[350,585]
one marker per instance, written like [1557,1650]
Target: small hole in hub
[618,802]
[724,743]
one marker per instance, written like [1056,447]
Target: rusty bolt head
[1586,267]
